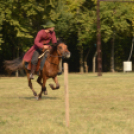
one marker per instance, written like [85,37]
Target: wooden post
[94,62]
[66,94]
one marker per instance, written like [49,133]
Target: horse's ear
[60,40]
[54,45]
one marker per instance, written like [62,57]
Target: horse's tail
[13,65]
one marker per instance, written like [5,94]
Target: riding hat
[48,24]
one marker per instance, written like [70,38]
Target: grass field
[98,105]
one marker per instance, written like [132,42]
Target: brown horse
[50,68]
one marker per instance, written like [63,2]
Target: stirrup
[59,73]
[31,76]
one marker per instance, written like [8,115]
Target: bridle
[50,55]
[58,55]
[55,56]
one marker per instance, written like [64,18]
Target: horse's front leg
[56,82]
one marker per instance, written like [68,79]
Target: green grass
[98,105]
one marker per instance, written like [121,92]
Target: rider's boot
[33,68]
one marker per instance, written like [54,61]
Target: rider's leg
[34,63]
[43,60]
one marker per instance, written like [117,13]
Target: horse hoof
[37,98]
[52,87]
[45,93]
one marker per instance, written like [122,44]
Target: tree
[115,22]
[20,21]
[75,22]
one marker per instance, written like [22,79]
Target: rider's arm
[38,38]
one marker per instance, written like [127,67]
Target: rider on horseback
[41,43]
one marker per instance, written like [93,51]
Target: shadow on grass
[43,98]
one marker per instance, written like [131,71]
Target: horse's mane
[54,47]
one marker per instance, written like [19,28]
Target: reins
[55,56]
[47,59]
[58,55]
[50,55]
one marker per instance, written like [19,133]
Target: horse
[50,68]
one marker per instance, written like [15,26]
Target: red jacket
[41,39]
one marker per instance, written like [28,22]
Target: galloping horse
[50,68]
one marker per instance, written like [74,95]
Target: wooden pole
[66,94]
[94,62]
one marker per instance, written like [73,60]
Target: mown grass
[98,105]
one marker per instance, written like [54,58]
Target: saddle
[41,61]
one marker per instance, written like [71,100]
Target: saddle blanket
[40,64]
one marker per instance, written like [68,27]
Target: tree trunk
[94,62]
[85,62]
[112,55]
[17,72]
[85,66]
[81,60]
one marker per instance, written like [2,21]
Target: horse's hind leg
[30,83]
[57,84]
[43,88]
[39,79]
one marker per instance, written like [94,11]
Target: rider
[41,43]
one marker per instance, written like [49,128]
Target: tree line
[75,24]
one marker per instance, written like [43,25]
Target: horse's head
[63,50]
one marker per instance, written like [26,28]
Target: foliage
[115,20]
[75,22]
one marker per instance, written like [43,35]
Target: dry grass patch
[98,105]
